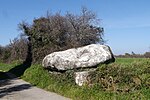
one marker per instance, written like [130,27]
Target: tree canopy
[56,32]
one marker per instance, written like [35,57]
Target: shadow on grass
[3,76]
[20,69]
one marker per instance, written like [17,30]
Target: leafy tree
[57,32]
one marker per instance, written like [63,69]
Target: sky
[126,23]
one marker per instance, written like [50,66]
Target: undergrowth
[126,79]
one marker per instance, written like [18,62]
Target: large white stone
[87,56]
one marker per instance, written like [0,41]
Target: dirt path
[17,89]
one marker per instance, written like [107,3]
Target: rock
[81,77]
[87,56]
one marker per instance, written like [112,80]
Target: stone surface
[81,77]
[87,56]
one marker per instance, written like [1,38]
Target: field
[126,79]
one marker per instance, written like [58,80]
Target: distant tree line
[54,32]
[133,55]
[16,50]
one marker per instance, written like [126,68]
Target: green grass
[131,81]
[130,60]
[6,67]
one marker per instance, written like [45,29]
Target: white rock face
[87,56]
[81,77]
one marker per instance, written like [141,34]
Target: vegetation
[133,55]
[16,50]
[126,79]
[53,32]
[6,67]
[57,32]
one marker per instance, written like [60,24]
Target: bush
[16,50]
[121,77]
[5,53]
[57,32]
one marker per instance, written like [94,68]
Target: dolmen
[83,57]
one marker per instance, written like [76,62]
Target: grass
[6,67]
[126,79]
